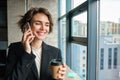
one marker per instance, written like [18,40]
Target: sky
[110,10]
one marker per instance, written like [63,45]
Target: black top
[21,65]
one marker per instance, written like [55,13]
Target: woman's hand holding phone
[27,38]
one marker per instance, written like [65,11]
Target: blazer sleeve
[59,54]
[17,68]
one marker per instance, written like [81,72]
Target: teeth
[40,33]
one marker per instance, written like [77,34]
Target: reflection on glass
[109,40]
[79,25]
[63,38]
[78,60]
[62,7]
[75,3]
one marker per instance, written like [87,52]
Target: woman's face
[40,26]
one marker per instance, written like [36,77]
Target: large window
[3,24]
[78,29]
[92,39]
[3,36]
[109,39]
[73,35]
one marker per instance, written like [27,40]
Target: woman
[29,59]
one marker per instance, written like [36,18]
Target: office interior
[86,31]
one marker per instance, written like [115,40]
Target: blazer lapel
[34,70]
[44,60]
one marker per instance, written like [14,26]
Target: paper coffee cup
[55,65]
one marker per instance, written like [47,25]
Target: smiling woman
[40,26]
[30,58]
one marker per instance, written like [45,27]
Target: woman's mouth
[41,33]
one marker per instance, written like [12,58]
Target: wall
[18,7]
[15,8]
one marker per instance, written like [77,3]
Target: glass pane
[62,7]
[79,25]
[78,60]
[109,40]
[63,38]
[75,3]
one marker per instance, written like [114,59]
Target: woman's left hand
[62,72]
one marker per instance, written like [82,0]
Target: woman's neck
[36,44]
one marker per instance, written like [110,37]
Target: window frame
[91,41]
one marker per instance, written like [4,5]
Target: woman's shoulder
[15,44]
[51,47]
[16,48]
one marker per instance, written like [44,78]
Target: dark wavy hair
[27,17]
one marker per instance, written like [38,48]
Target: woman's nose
[42,27]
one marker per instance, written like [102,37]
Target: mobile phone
[28,24]
[29,27]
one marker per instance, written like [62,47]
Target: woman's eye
[47,25]
[38,23]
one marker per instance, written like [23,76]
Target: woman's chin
[40,38]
